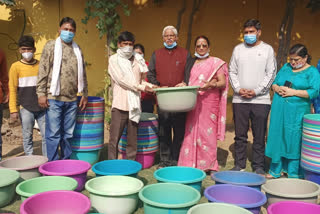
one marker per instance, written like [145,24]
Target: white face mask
[136,53]
[126,51]
[27,56]
[201,57]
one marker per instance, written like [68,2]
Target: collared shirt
[120,86]
[68,73]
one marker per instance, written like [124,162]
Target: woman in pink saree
[206,123]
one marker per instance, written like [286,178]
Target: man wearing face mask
[252,70]
[22,88]
[61,77]
[128,73]
[169,67]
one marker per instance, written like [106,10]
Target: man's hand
[14,117]
[43,102]
[181,84]
[5,98]
[83,103]
[247,93]
[148,89]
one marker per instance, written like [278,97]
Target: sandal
[269,176]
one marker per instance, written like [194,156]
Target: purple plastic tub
[293,207]
[243,196]
[312,176]
[56,202]
[76,169]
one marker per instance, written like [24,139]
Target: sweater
[167,67]
[22,85]
[252,67]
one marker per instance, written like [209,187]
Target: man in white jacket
[252,70]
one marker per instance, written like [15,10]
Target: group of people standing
[190,139]
[47,91]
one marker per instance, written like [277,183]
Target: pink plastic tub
[56,202]
[293,207]
[76,169]
[146,160]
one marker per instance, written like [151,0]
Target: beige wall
[221,21]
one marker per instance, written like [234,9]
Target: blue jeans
[61,121]
[27,121]
[1,114]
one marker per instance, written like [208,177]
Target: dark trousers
[258,115]
[169,123]
[119,119]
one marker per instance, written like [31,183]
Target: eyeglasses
[202,45]
[170,35]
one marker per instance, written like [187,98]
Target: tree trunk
[285,33]
[195,8]
[180,13]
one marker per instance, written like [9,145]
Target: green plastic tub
[164,198]
[209,208]
[177,99]
[43,184]
[8,181]
[114,194]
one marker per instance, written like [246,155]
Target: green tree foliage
[108,23]
[7,2]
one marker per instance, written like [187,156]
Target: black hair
[126,36]
[68,20]
[139,46]
[26,41]
[202,37]
[252,23]
[300,50]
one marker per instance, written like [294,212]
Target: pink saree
[206,123]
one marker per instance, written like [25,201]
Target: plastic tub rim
[27,195]
[20,157]
[45,172]
[22,207]
[16,174]
[101,193]
[190,203]
[239,183]
[96,171]
[217,203]
[181,182]
[309,195]
[168,89]
[257,204]
[271,206]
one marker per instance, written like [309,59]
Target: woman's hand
[287,92]
[208,85]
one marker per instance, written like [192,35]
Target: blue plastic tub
[312,176]
[243,196]
[165,198]
[90,156]
[239,178]
[117,167]
[180,174]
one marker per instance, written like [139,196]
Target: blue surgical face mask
[66,36]
[201,57]
[170,46]
[250,38]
